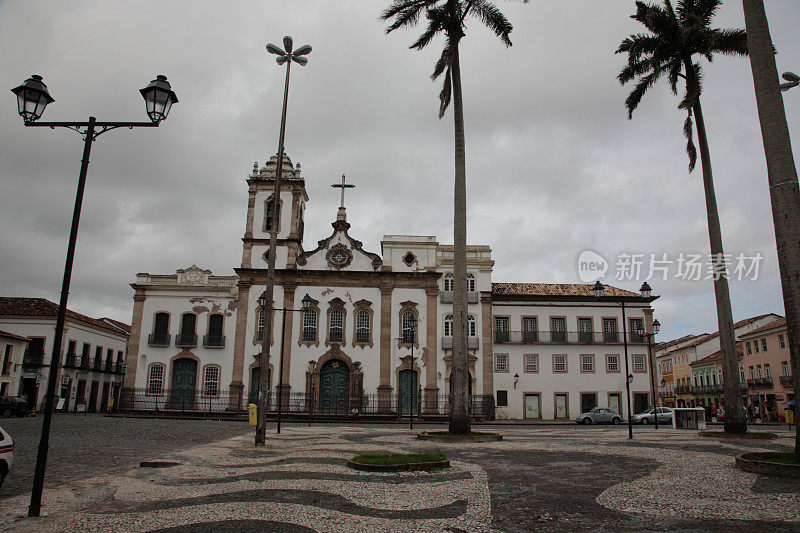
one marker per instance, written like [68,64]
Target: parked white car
[6,454]
[647,417]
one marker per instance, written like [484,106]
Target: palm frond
[644,85]
[492,18]
[691,151]
[729,42]
[694,87]
[444,95]
[435,26]
[407,13]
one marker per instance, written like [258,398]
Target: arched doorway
[334,387]
[409,390]
[255,384]
[184,376]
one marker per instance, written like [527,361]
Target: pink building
[767,370]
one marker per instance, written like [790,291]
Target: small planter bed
[399,462]
[770,463]
[446,436]
[754,435]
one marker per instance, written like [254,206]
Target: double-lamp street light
[642,331]
[32,99]
[645,291]
[262,300]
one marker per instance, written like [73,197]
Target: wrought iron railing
[214,341]
[787,381]
[71,361]
[565,337]
[33,359]
[472,343]
[185,340]
[159,339]
[144,399]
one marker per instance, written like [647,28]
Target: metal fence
[226,401]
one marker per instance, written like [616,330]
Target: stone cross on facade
[342,186]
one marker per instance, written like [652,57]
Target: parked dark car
[14,406]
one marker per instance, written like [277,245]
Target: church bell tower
[292,201]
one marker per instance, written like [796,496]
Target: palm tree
[675,36]
[447,17]
[782,176]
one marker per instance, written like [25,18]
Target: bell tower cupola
[260,215]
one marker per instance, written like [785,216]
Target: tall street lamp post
[311,365]
[306,303]
[641,331]
[284,56]
[792,80]
[32,98]
[645,291]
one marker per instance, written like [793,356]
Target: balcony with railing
[119,367]
[84,363]
[446,297]
[564,337]
[109,365]
[472,343]
[683,389]
[666,394]
[33,359]
[787,381]
[760,383]
[97,364]
[185,340]
[158,339]
[214,341]
[71,361]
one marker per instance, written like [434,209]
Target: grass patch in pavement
[399,458]
[786,458]
[456,435]
[754,435]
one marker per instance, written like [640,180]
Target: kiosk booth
[688,418]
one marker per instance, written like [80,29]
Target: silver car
[647,417]
[599,415]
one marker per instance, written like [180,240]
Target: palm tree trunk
[734,417]
[459,415]
[782,175]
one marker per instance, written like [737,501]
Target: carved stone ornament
[193,275]
[339,256]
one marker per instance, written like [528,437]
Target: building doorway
[588,401]
[30,391]
[533,406]
[104,397]
[334,387]
[92,407]
[615,402]
[184,376]
[408,391]
[640,402]
[561,406]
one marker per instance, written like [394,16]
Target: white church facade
[377,334]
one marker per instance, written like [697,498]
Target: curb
[459,438]
[403,467]
[767,467]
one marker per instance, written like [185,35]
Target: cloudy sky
[554,167]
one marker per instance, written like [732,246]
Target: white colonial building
[196,337]
[92,351]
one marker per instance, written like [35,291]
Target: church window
[409,259]
[155,379]
[362,325]
[187,336]
[472,325]
[214,335]
[211,381]
[559,363]
[339,257]
[310,325]
[501,362]
[448,281]
[639,364]
[409,326]
[269,206]
[448,325]
[471,282]
[260,325]
[336,325]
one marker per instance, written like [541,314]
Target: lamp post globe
[32,98]
[158,97]
[598,289]
[656,326]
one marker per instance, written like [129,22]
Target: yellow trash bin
[252,414]
[789,416]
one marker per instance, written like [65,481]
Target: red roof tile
[14,306]
[780,323]
[555,289]
[717,356]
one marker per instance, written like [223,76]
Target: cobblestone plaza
[545,477]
